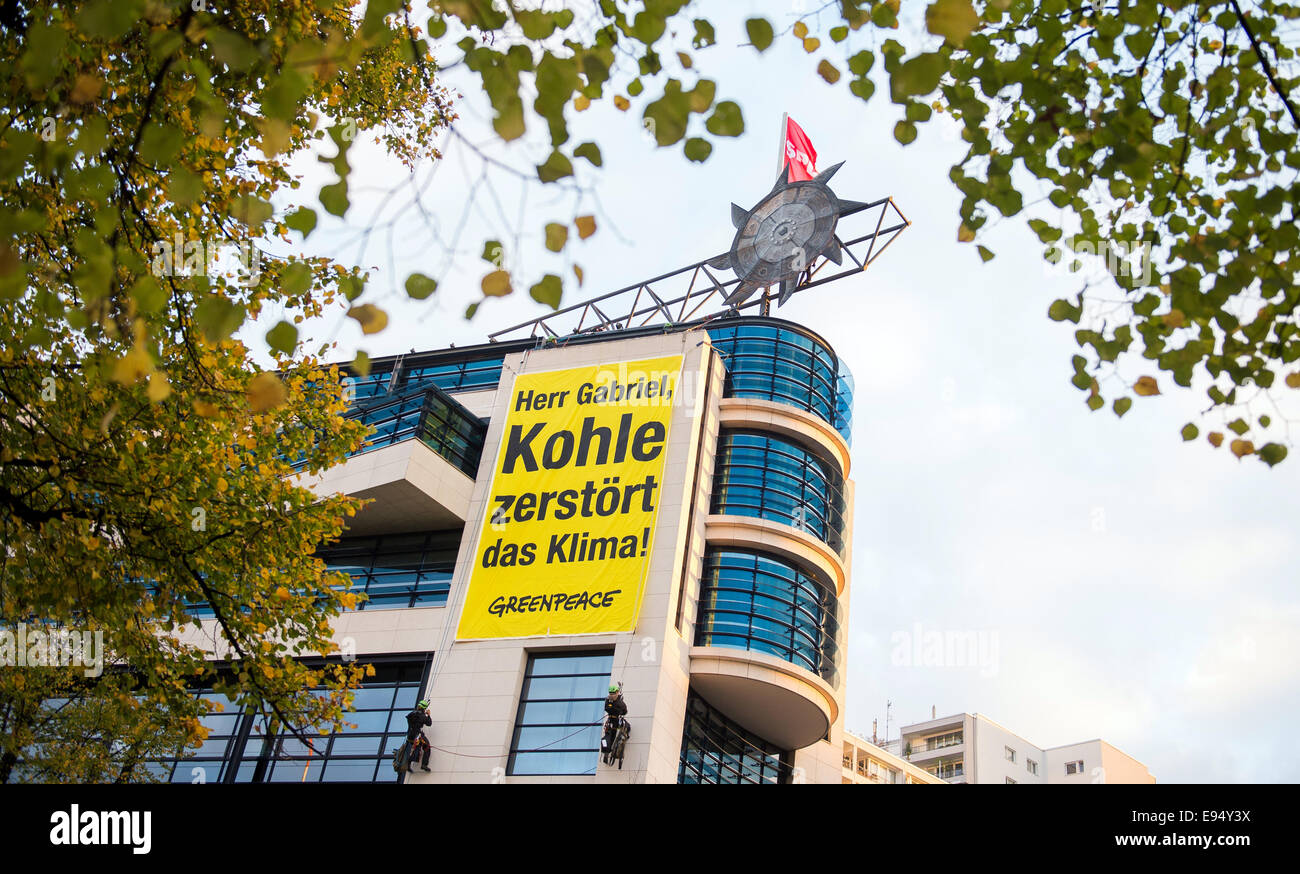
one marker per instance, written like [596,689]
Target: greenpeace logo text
[77,827]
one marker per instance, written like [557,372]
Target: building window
[1031,766]
[939,741]
[946,770]
[1010,753]
[238,751]
[760,603]
[427,414]
[398,570]
[716,750]
[786,365]
[561,708]
[1073,768]
[772,478]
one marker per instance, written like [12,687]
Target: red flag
[800,156]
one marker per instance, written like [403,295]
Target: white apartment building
[971,748]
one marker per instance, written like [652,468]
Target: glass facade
[784,364]
[433,417]
[561,709]
[716,750]
[236,751]
[455,376]
[760,603]
[773,478]
[397,570]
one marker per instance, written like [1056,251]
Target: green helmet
[612,688]
[424,703]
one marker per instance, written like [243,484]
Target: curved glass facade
[716,750]
[762,475]
[780,363]
[760,603]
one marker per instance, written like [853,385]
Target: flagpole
[785,132]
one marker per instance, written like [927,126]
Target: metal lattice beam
[698,292]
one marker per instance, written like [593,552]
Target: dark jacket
[416,720]
[615,705]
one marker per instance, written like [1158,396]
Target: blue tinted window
[398,570]
[561,708]
[235,751]
[781,364]
[756,602]
[717,750]
[772,478]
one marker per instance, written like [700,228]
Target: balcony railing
[428,414]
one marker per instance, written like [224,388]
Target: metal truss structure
[699,291]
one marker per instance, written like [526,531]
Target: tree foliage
[147,469]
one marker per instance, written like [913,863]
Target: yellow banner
[576,487]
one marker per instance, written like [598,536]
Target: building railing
[428,414]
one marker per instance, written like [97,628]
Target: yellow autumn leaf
[282,593]
[133,366]
[496,284]
[586,225]
[1293,379]
[621,103]
[205,409]
[1146,386]
[965,234]
[372,318]
[581,102]
[266,392]
[1241,448]
[159,389]
[1215,438]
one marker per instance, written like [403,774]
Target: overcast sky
[1124,585]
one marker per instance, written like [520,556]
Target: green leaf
[296,278]
[986,255]
[905,132]
[1095,402]
[302,220]
[335,198]
[250,210]
[1121,405]
[109,19]
[493,253]
[760,33]
[556,236]
[218,318]
[1064,311]
[590,151]
[352,286]
[1272,453]
[1238,427]
[548,291]
[951,19]
[704,35]
[159,144]
[1190,432]
[839,34]
[148,294]
[919,75]
[419,286]
[557,166]
[698,149]
[283,338]
[726,120]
